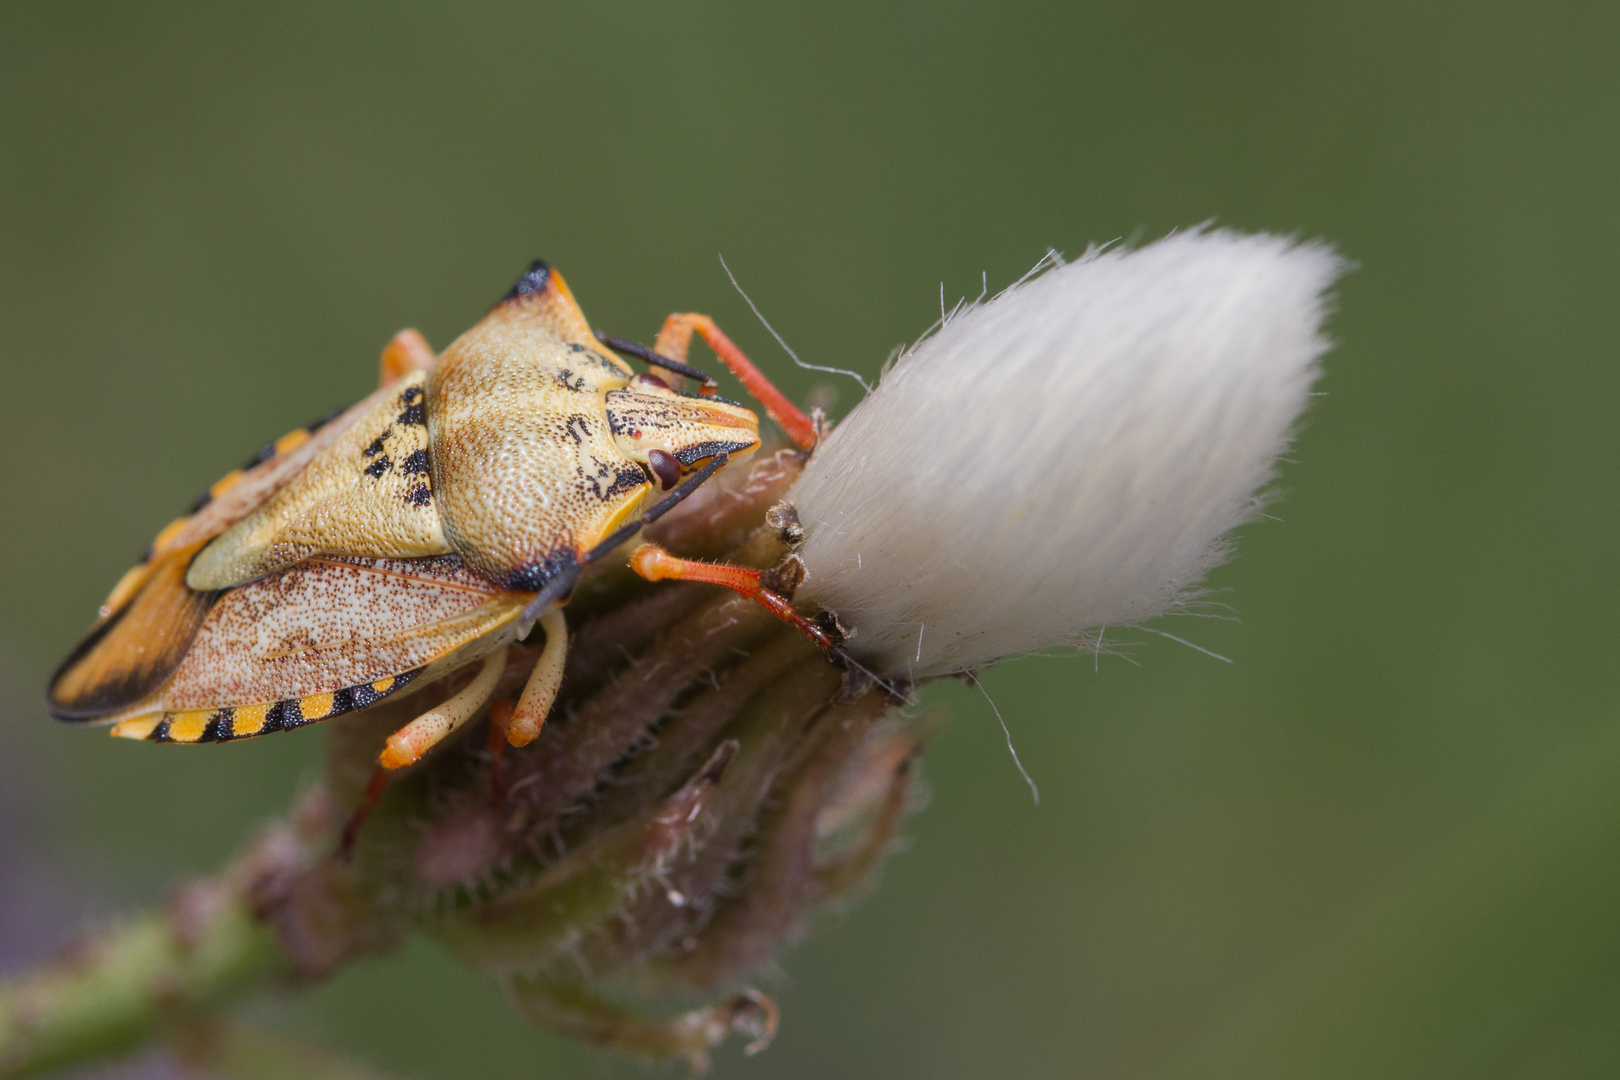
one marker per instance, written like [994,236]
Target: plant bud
[1065,456]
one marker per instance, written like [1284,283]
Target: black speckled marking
[419,495]
[603,479]
[535,280]
[535,575]
[219,726]
[402,679]
[376,446]
[343,701]
[693,454]
[286,715]
[578,429]
[289,714]
[627,480]
[413,412]
[365,695]
[595,357]
[415,463]
[378,467]
[711,397]
[266,452]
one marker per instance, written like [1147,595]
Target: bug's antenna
[641,352]
[785,346]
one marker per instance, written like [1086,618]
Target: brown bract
[707,781]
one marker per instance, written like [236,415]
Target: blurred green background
[1385,842]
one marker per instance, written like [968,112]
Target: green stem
[244,1053]
[118,989]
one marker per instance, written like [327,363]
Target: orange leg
[372,795]
[416,738]
[409,743]
[676,337]
[655,564]
[409,352]
[541,689]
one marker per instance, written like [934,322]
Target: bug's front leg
[520,724]
[655,564]
[407,353]
[676,337]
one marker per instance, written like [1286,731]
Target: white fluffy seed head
[1065,456]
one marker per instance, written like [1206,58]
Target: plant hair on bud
[1067,455]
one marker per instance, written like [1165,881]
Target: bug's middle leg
[523,726]
[655,564]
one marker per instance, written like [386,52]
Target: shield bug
[420,532]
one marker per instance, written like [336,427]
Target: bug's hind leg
[406,354]
[376,787]
[407,745]
[655,564]
[676,337]
[540,691]
[416,738]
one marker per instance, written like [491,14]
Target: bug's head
[673,434]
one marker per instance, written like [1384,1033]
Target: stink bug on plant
[420,532]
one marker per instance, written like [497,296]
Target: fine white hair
[1066,456]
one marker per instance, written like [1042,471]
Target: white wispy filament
[1067,455]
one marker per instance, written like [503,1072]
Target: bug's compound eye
[665,468]
[649,379]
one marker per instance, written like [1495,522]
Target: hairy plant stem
[123,985]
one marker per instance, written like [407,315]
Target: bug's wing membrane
[152,615]
[325,637]
[369,494]
[130,653]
